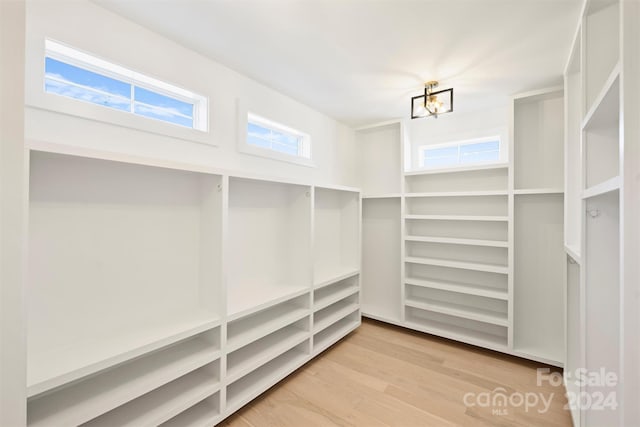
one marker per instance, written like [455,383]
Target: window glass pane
[164,114]
[273,139]
[78,83]
[463,153]
[480,152]
[253,139]
[283,138]
[285,148]
[441,156]
[173,105]
[258,131]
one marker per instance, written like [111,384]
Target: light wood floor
[381,375]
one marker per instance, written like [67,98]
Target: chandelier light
[432,103]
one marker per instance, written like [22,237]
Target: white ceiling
[359,61]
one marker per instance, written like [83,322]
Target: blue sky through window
[469,153]
[78,83]
[264,137]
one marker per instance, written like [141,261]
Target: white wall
[458,127]
[12,215]
[93,29]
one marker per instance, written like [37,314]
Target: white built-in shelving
[601,207]
[336,234]
[481,246]
[455,246]
[538,220]
[381,149]
[134,318]
[166,402]
[246,388]
[103,236]
[204,413]
[269,224]
[84,400]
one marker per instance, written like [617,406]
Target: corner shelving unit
[107,231]
[472,239]
[538,210]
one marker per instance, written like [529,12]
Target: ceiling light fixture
[432,103]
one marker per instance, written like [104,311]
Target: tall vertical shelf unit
[381,172]
[336,285]
[472,253]
[170,293]
[602,207]
[538,222]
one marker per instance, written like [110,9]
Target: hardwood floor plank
[385,376]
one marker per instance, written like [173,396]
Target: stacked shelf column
[381,148]
[456,270]
[538,206]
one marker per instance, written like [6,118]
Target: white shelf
[458,169]
[605,110]
[612,184]
[332,314]
[464,312]
[498,218]
[490,268]
[459,194]
[329,336]
[327,300]
[248,358]
[538,191]
[458,333]
[382,196]
[161,404]
[83,401]
[336,234]
[573,252]
[335,276]
[461,288]
[204,414]
[248,387]
[261,325]
[59,366]
[455,241]
[242,303]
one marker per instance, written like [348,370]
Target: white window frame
[36,96]
[245,116]
[423,148]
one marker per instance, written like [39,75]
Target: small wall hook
[593,213]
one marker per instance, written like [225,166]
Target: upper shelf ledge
[458,169]
[605,110]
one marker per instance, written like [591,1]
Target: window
[477,151]
[75,74]
[266,135]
